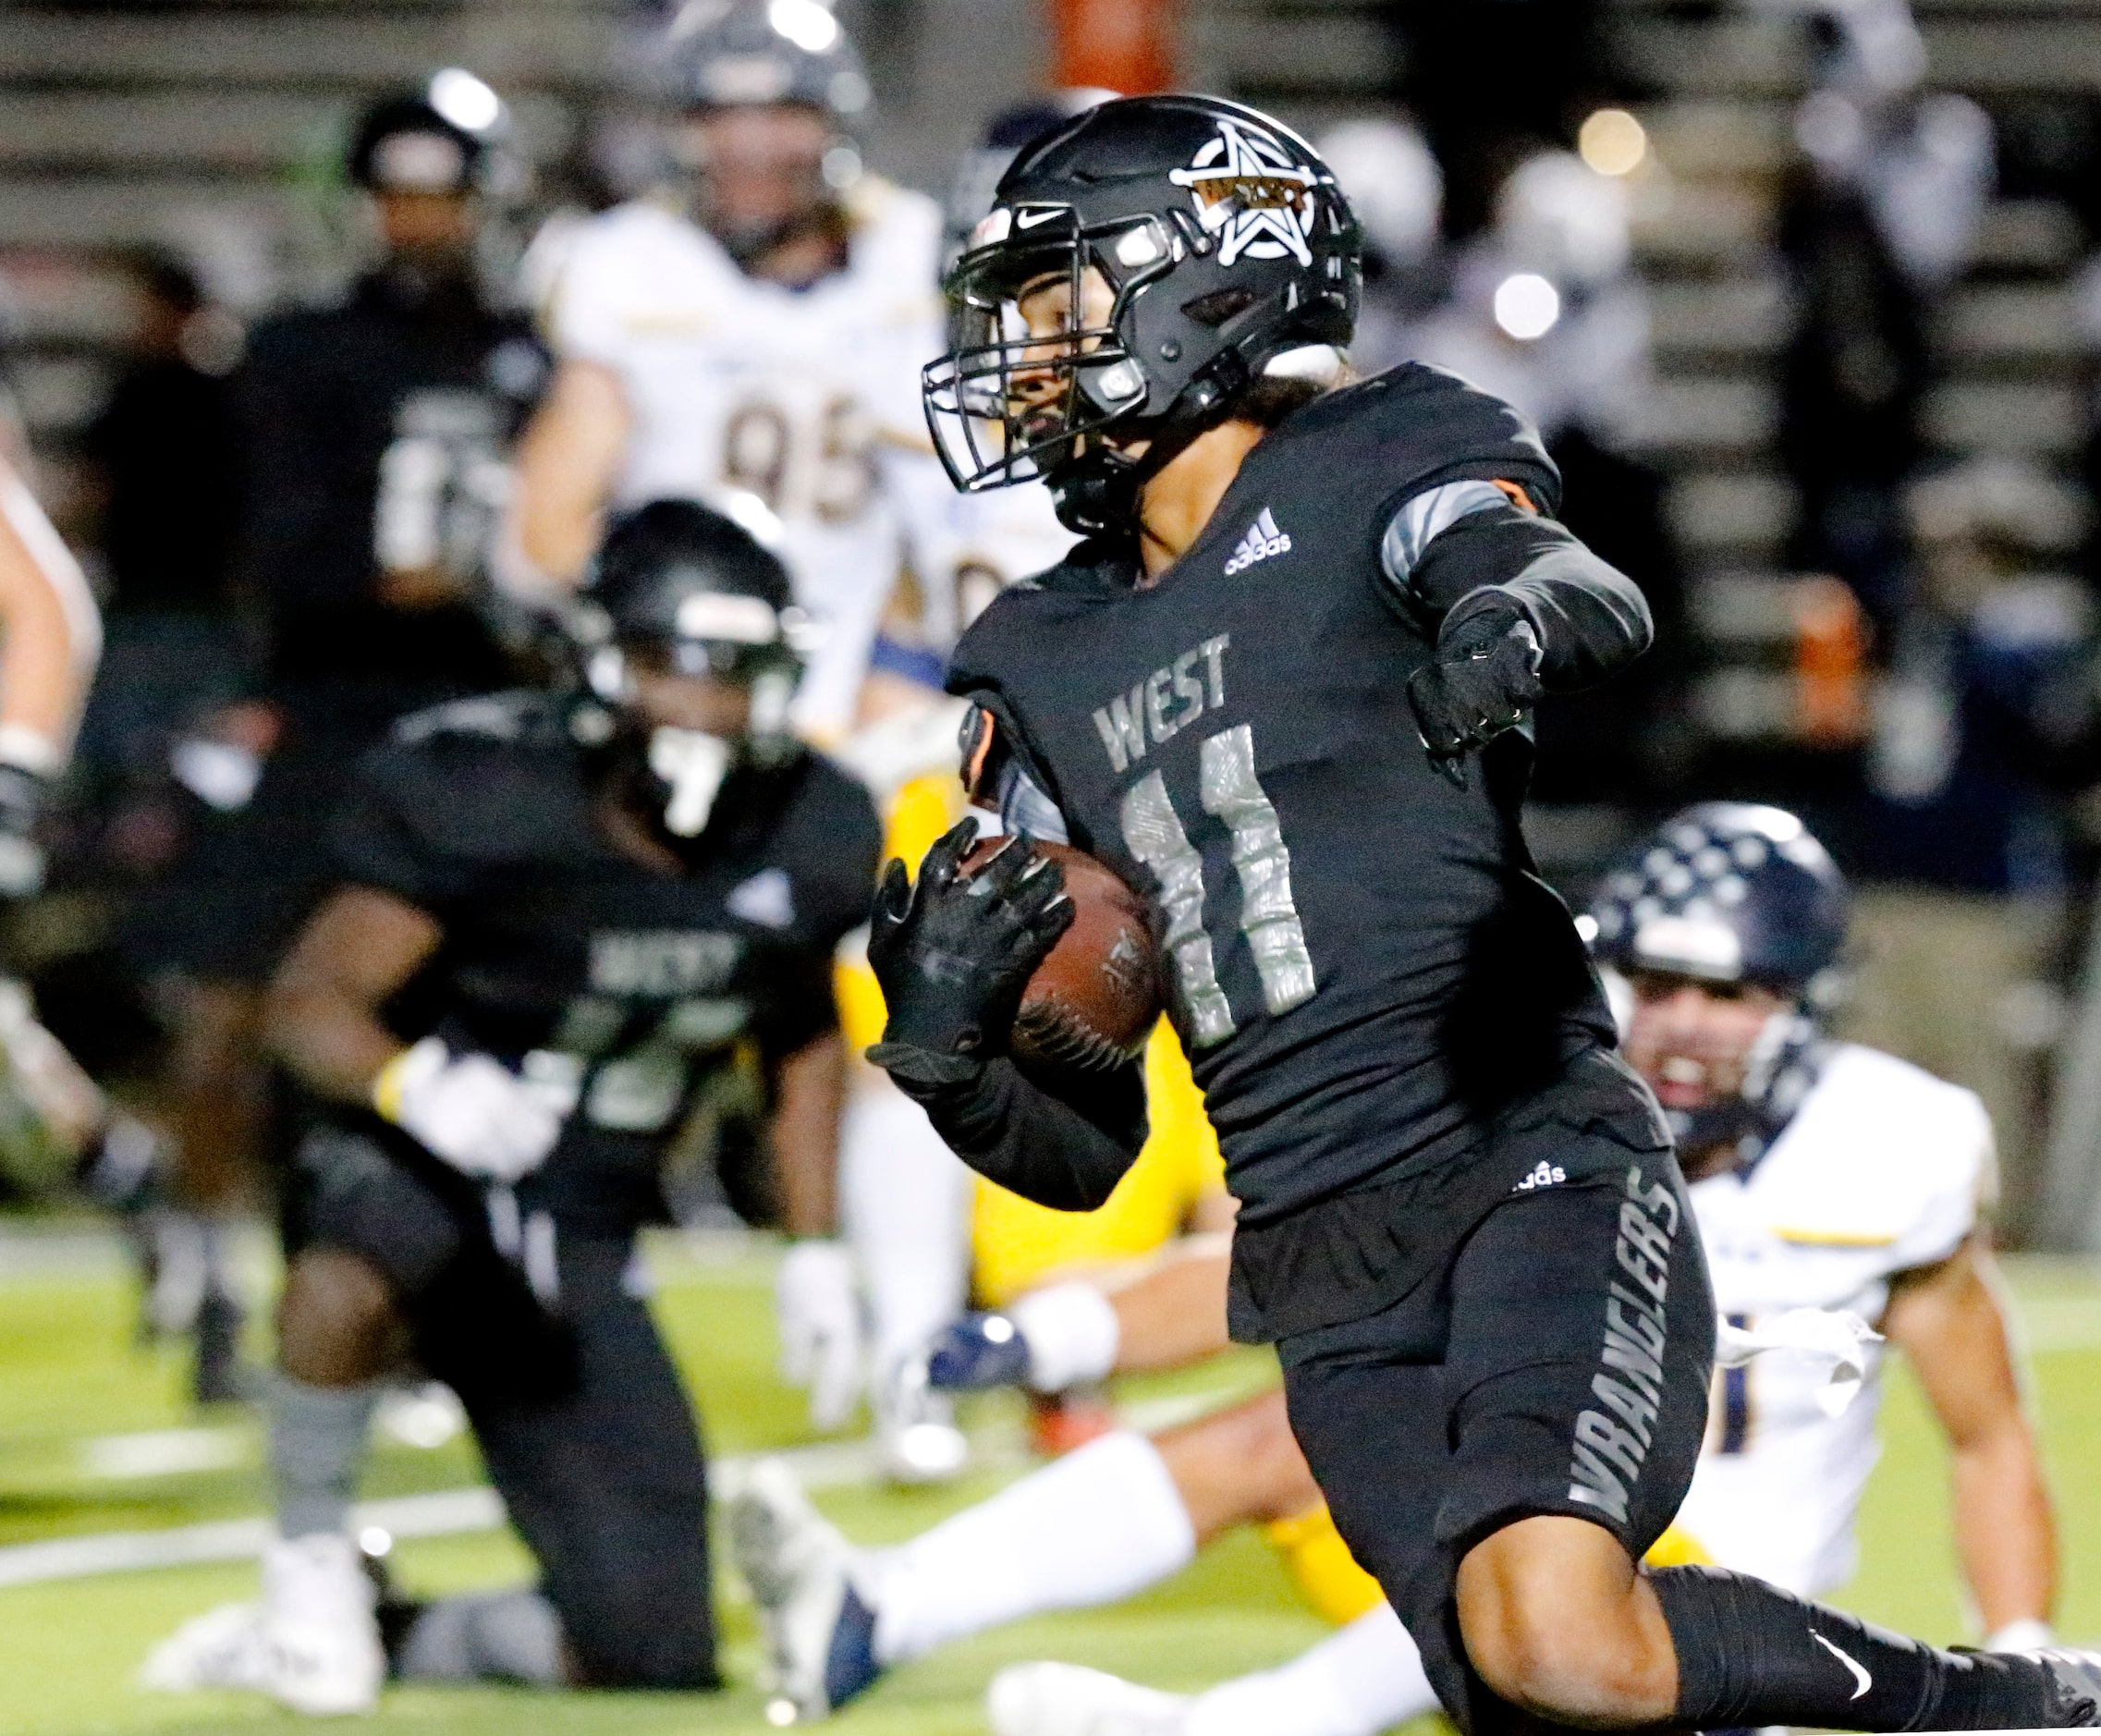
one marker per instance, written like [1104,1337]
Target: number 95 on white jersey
[771,404]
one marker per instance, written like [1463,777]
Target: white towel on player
[1837,1336]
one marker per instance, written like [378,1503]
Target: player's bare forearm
[809,1097]
[1174,1314]
[322,1016]
[2005,1534]
[1949,1321]
[567,459]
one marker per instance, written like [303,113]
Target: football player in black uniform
[555,922]
[374,429]
[1282,689]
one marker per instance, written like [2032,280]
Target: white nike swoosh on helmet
[1029,219]
[1860,1675]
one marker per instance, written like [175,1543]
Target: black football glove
[1485,679]
[954,952]
[22,797]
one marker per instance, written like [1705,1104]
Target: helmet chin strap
[693,763]
[1100,491]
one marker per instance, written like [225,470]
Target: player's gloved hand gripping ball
[953,952]
[1484,678]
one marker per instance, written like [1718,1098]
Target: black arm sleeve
[1592,620]
[1066,1153]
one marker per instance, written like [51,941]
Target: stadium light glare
[804,23]
[1613,143]
[1527,306]
[465,99]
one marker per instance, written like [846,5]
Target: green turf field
[85,1422]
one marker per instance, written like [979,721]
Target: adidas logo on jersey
[766,899]
[1263,540]
[1543,1175]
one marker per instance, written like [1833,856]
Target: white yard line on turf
[164,1452]
[445,1514]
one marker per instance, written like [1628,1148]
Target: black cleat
[218,1377]
[2075,1686]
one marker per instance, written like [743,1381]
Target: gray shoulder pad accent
[1423,517]
[1023,807]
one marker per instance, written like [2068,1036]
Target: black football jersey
[1362,964]
[568,959]
[376,433]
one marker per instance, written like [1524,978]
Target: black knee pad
[350,1193]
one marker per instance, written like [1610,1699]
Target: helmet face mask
[1201,242]
[692,652]
[1740,904]
[1036,360]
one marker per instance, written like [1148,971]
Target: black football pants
[574,1401]
[1562,1368]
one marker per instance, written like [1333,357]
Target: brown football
[1095,999]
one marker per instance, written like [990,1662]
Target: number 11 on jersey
[1152,832]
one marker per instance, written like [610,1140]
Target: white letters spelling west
[1164,703]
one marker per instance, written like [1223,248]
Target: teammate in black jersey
[1283,689]
[556,922]
[374,429]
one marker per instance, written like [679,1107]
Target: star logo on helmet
[1251,196]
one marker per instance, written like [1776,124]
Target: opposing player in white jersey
[752,340]
[1824,1175]
[751,335]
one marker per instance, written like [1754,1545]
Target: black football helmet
[406,143]
[975,184]
[1735,892]
[1225,243]
[681,588]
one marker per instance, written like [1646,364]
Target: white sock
[1095,1526]
[1364,1680]
[1073,1333]
[906,1199]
